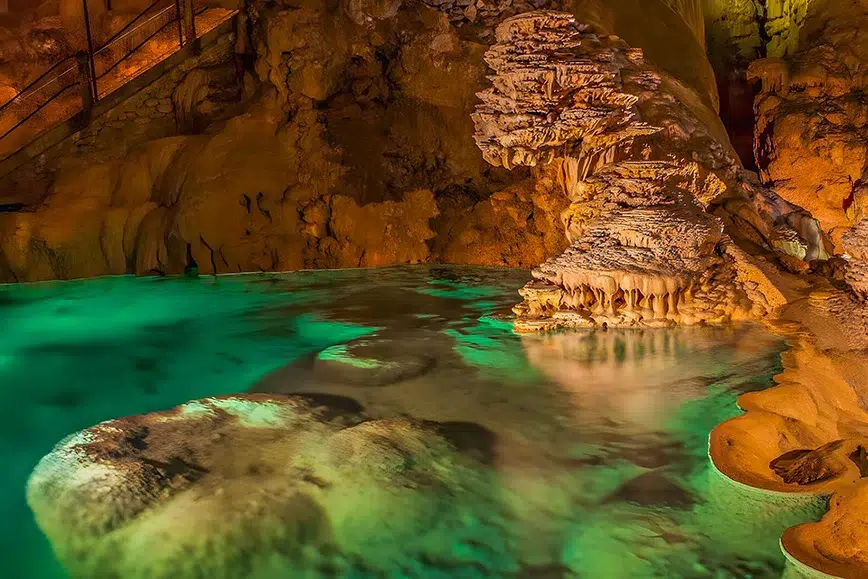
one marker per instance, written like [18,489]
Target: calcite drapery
[643,168]
[650,256]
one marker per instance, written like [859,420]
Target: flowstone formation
[644,166]
[249,486]
[833,544]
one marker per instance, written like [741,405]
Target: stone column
[620,109]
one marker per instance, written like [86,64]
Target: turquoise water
[599,438]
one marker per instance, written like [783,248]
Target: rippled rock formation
[643,169]
[649,256]
[556,94]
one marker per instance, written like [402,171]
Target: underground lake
[580,454]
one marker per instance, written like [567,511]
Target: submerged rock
[371,362]
[249,486]
[653,488]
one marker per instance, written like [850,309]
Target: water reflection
[631,382]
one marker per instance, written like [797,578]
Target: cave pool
[612,479]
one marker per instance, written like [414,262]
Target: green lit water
[598,439]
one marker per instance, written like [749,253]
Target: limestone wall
[746,29]
[355,149]
[668,31]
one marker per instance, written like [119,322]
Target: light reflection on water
[599,438]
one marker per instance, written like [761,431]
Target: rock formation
[854,243]
[807,434]
[811,133]
[485,13]
[339,134]
[346,145]
[835,544]
[644,166]
[647,255]
[266,485]
[739,32]
[34,43]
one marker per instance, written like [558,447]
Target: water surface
[599,439]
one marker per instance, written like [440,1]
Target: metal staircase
[71,88]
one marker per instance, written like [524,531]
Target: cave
[434,288]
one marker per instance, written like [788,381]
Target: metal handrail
[22,94]
[141,44]
[88,80]
[30,86]
[39,108]
[120,32]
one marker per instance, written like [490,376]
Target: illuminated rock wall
[812,121]
[352,146]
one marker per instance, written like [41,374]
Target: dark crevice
[176,466]
[763,148]
[265,212]
[860,459]
[737,94]
[762,17]
[211,251]
[191,266]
